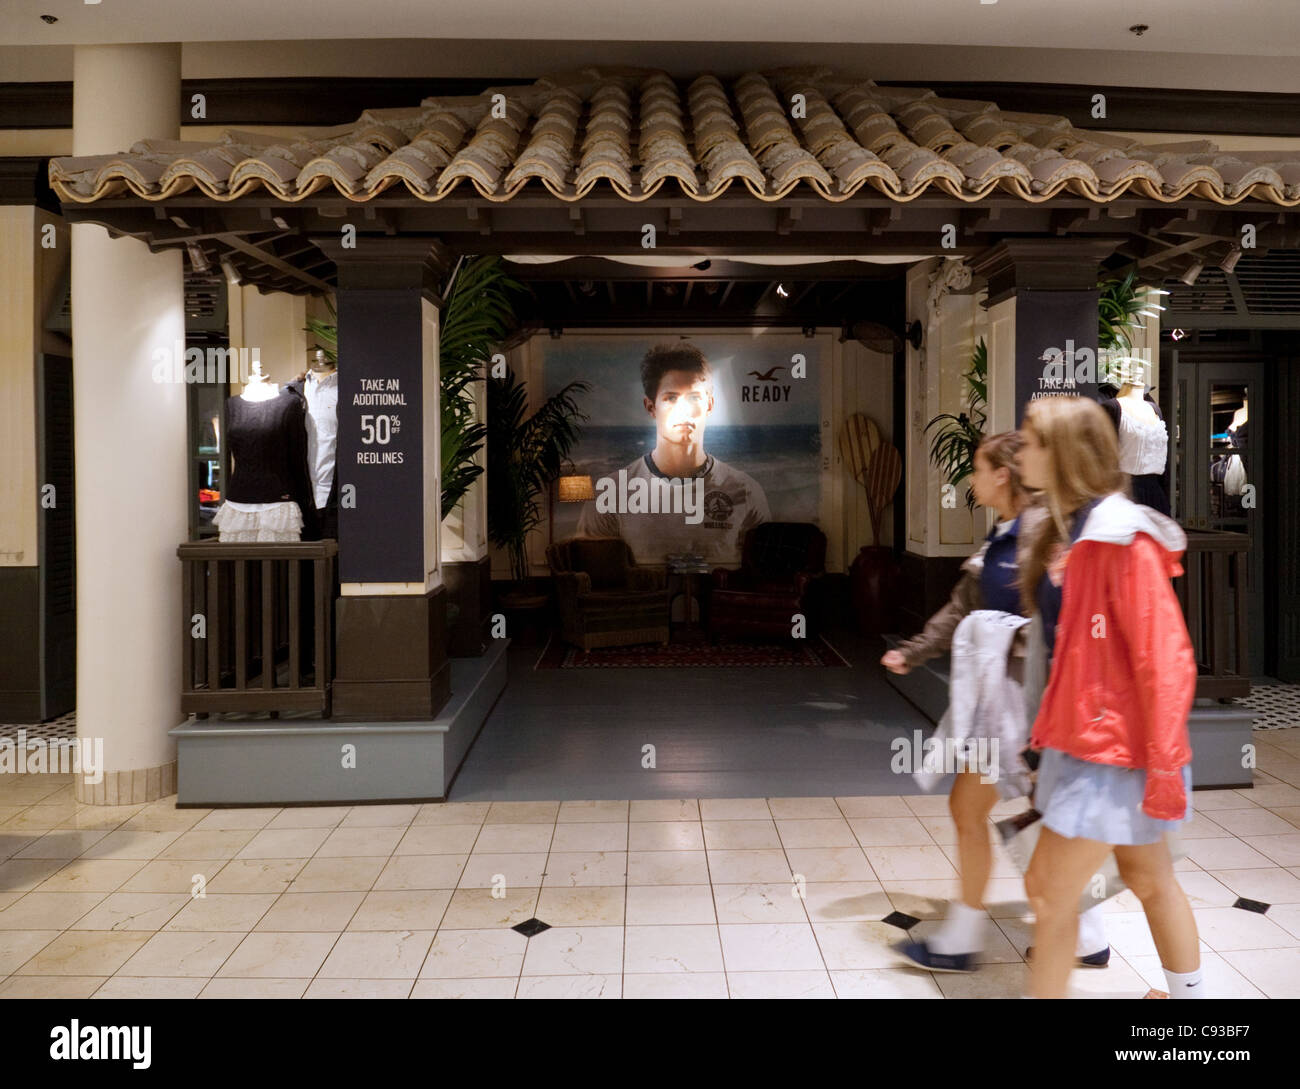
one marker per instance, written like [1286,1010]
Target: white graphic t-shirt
[733,503]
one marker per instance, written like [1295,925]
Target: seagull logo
[770,376]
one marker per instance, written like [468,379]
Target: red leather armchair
[779,563]
[605,599]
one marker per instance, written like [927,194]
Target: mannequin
[1234,473]
[268,494]
[1143,439]
[319,389]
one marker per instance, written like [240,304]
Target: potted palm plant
[953,446]
[525,453]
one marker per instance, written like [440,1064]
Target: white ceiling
[1255,28]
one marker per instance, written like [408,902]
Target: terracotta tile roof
[636,131]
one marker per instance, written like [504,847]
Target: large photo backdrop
[761,440]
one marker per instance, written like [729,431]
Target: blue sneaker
[1092,960]
[923,956]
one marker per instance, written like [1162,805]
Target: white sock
[962,931]
[1092,932]
[1186,984]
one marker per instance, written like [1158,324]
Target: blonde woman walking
[990,580]
[1112,725]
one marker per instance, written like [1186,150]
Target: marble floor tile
[48,910]
[665,836]
[452,813]
[259,875]
[1276,972]
[279,955]
[450,839]
[746,867]
[740,835]
[759,903]
[361,842]
[67,844]
[221,820]
[575,950]
[309,816]
[429,872]
[581,836]
[675,985]
[506,871]
[1228,929]
[583,868]
[1222,980]
[907,863]
[803,809]
[884,806]
[770,947]
[51,986]
[884,983]
[380,954]
[338,874]
[380,816]
[207,844]
[358,988]
[19,946]
[130,911]
[816,832]
[85,953]
[677,809]
[592,985]
[522,813]
[891,832]
[668,868]
[326,912]
[92,875]
[584,905]
[599,812]
[678,948]
[179,953]
[780,984]
[223,911]
[254,988]
[285,843]
[661,905]
[457,954]
[490,987]
[478,909]
[513,839]
[150,987]
[401,909]
[1274,885]
[846,901]
[734,809]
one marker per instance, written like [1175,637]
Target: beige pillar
[131,446]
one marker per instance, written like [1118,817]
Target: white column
[131,445]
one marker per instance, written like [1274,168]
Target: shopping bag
[1019,835]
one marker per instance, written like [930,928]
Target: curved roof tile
[637,130]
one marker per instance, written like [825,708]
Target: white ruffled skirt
[258,523]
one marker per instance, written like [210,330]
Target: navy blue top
[998,579]
[1049,596]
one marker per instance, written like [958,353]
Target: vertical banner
[381,435]
[1056,345]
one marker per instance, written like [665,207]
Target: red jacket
[1123,673]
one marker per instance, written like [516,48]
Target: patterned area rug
[1278,705]
[814,652]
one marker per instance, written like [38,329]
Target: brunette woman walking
[1112,725]
[990,580]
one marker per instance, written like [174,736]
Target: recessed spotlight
[1193,273]
[1139,29]
[1229,262]
[49,18]
[704,265]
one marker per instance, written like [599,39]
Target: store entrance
[1220,413]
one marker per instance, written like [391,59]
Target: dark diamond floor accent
[901,920]
[529,927]
[1251,905]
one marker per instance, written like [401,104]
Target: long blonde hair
[1083,465]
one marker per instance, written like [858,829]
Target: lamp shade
[574,489]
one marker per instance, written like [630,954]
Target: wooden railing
[1213,595]
[257,626]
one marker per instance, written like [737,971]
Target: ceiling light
[198,260]
[1193,273]
[1229,262]
[780,290]
[703,266]
[1177,334]
[49,18]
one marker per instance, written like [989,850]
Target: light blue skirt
[1082,800]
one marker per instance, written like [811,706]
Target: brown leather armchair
[780,562]
[605,599]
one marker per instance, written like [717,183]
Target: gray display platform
[1220,732]
[275,762]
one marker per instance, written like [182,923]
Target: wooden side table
[689,631]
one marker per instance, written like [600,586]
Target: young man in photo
[703,505]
